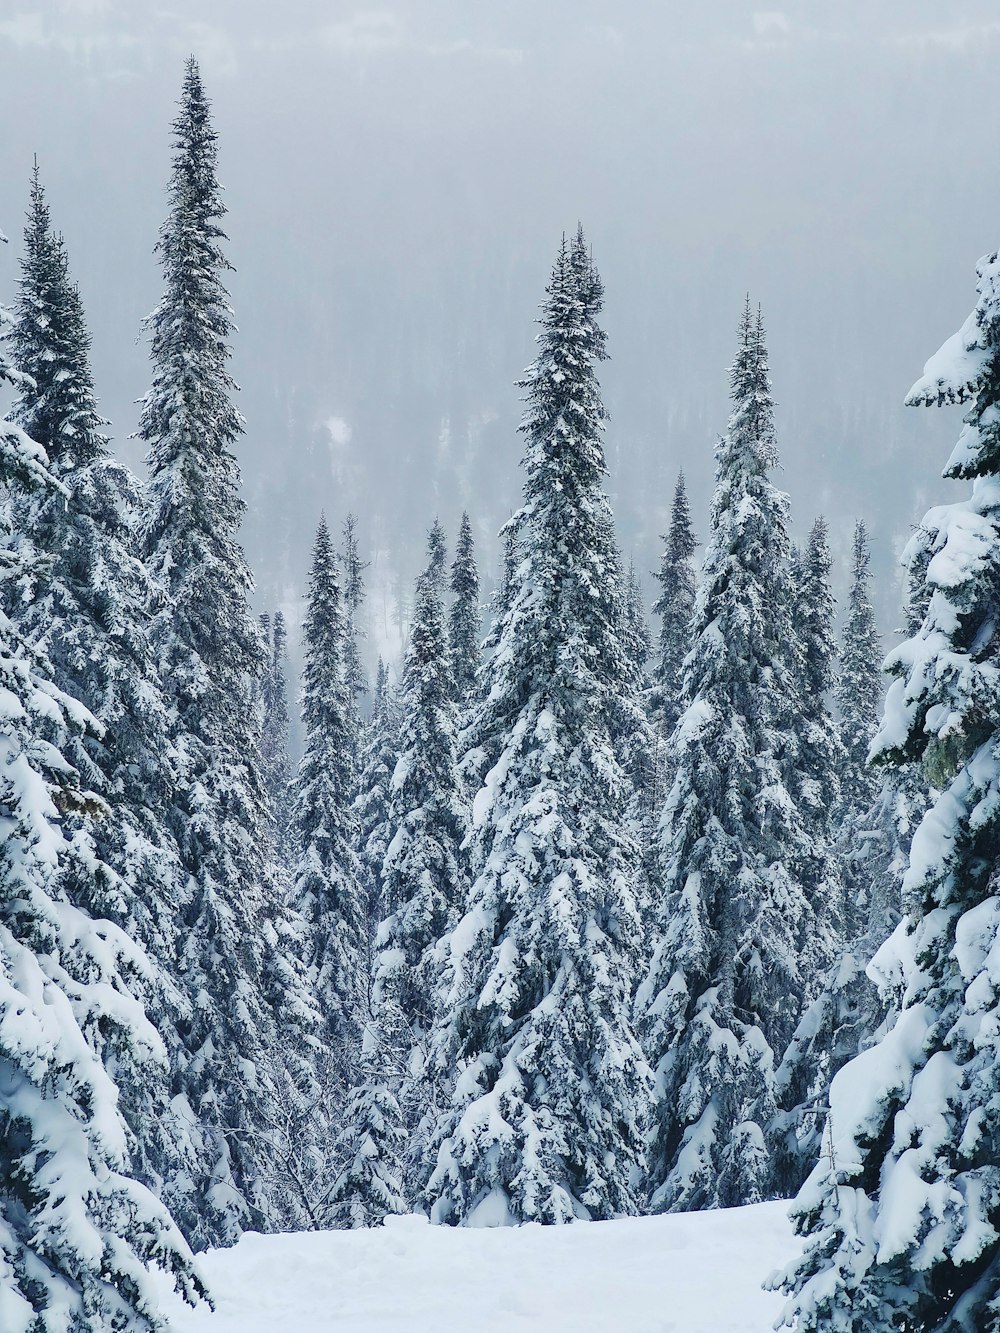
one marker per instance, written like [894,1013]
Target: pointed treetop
[680,540]
[437,552]
[751,424]
[354,566]
[381,689]
[52,346]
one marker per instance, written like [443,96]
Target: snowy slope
[691,1273]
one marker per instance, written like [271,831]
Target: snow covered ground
[692,1273]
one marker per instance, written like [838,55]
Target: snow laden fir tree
[901,1225]
[424,872]
[675,607]
[724,987]
[82,599]
[275,762]
[465,616]
[372,829]
[76,1231]
[550,1088]
[858,689]
[247,997]
[327,876]
[814,764]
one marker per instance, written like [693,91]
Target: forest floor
[685,1273]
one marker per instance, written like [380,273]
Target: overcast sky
[398,177]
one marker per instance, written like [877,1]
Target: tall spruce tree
[640,747]
[372,824]
[354,596]
[327,888]
[464,617]
[675,607]
[480,742]
[210,656]
[813,765]
[819,758]
[437,553]
[76,1232]
[274,728]
[83,604]
[550,1090]
[901,1216]
[723,991]
[423,876]
[858,689]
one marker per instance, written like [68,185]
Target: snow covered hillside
[682,1273]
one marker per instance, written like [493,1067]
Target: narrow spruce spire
[815,762]
[465,617]
[858,689]
[372,824]
[327,876]
[675,607]
[423,875]
[546,1120]
[723,992]
[246,999]
[275,729]
[354,596]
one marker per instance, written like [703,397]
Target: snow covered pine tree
[274,729]
[675,607]
[354,595]
[327,876]
[424,874]
[247,1001]
[723,991]
[465,616]
[550,1098]
[818,761]
[76,1232]
[814,762]
[83,603]
[858,688]
[372,830]
[902,1216]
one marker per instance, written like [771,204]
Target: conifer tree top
[188,417]
[52,346]
[680,540]
[545,1119]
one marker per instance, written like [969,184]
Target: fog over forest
[398,178]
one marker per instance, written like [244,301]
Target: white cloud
[24,30]
[364,32]
[382,31]
[339,431]
[959,38]
[771,23]
[73,30]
